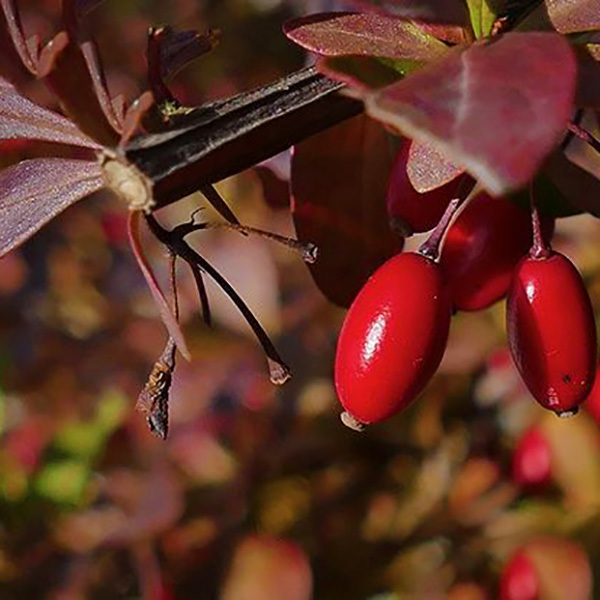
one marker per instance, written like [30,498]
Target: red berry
[519,580]
[393,338]
[410,211]
[547,567]
[482,248]
[532,461]
[551,331]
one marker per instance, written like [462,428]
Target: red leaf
[497,108]
[339,183]
[22,119]
[336,34]
[164,307]
[34,191]
[566,17]
[451,12]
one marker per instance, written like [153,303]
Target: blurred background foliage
[260,493]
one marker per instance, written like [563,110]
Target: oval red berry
[482,248]
[393,338]
[519,580]
[551,331]
[532,461]
[411,211]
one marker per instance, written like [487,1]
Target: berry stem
[431,246]
[540,248]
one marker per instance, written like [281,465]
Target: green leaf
[483,13]
[63,482]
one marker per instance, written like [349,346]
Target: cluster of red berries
[395,333]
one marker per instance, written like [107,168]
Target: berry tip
[351,422]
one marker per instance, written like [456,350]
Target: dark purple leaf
[337,34]
[22,119]
[168,51]
[588,78]
[11,22]
[34,191]
[179,48]
[576,184]
[90,53]
[498,109]
[164,307]
[339,184]
[64,67]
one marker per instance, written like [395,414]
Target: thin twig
[175,242]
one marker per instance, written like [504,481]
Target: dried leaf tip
[154,398]
[279,373]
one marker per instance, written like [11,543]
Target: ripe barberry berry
[551,331]
[411,211]
[532,461]
[519,579]
[482,248]
[393,338]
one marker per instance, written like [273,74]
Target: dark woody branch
[208,143]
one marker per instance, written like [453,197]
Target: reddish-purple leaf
[164,307]
[427,169]
[135,116]
[179,48]
[339,184]
[64,67]
[497,109]
[34,191]
[22,119]
[451,12]
[91,55]
[452,34]
[566,16]
[337,34]
[28,53]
